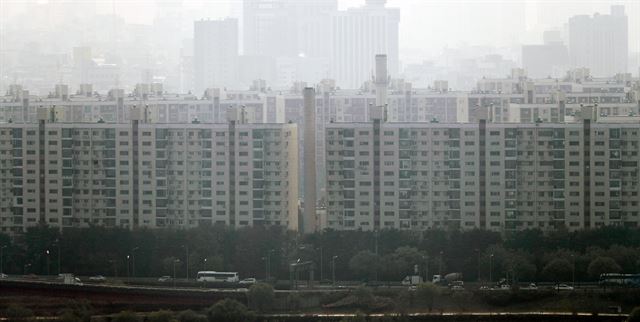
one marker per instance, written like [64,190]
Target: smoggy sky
[427,26]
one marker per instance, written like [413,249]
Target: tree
[230,310]
[261,296]
[557,270]
[126,316]
[16,312]
[601,265]
[364,264]
[160,316]
[191,316]
[634,316]
[427,293]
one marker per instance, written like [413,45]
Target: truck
[447,279]
[412,280]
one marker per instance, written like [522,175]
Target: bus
[212,276]
[620,279]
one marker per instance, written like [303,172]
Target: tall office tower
[600,42]
[549,59]
[215,53]
[358,34]
[287,28]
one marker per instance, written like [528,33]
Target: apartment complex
[501,177]
[141,174]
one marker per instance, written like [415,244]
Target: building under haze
[600,42]
[215,53]
[140,174]
[357,36]
[500,177]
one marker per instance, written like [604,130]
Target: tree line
[387,255]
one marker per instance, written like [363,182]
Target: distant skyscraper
[215,53]
[600,42]
[358,35]
[548,59]
[287,27]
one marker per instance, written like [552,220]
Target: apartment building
[148,175]
[501,177]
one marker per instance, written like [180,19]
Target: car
[531,286]
[484,288]
[413,288]
[505,287]
[97,278]
[248,281]
[3,275]
[457,288]
[164,278]
[564,287]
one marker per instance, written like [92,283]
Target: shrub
[126,316]
[261,297]
[230,310]
[160,316]
[191,316]
[635,315]
[16,312]
[426,293]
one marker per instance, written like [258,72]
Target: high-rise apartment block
[141,174]
[501,177]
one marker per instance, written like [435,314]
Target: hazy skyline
[426,26]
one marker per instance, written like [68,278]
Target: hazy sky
[426,26]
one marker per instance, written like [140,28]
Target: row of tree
[387,255]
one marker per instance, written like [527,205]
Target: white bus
[212,276]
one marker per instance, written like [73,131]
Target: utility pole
[491,269]
[48,263]
[321,269]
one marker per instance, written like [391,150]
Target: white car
[97,278]
[248,281]
[564,287]
[3,275]
[164,278]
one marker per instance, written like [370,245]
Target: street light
[491,269]
[57,241]
[426,267]
[440,265]
[176,261]
[321,269]
[268,263]
[1,259]
[204,264]
[187,250]
[573,270]
[133,261]
[128,274]
[333,269]
[48,263]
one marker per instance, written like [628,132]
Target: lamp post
[204,264]
[491,269]
[128,274]
[133,261]
[2,259]
[59,256]
[321,268]
[333,269]
[440,265]
[268,263]
[186,247]
[573,270]
[48,263]
[174,271]
[426,267]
